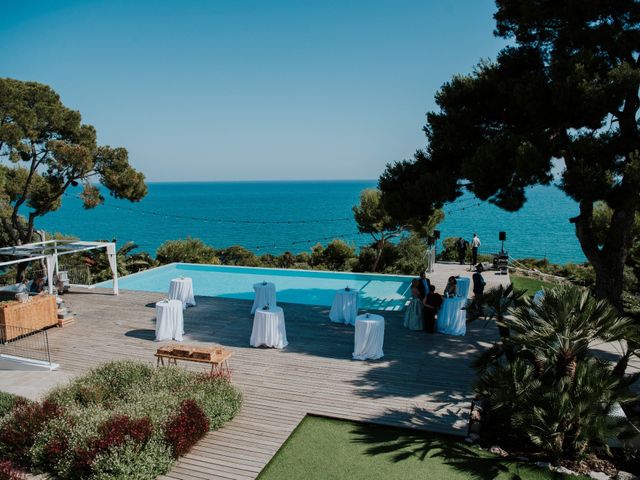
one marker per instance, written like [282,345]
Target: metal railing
[78,274]
[24,343]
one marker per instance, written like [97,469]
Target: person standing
[425,284]
[478,281]
[413,314]
[461,245]
[475,243]
[432,303]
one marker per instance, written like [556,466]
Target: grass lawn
[322,448]
[531,285]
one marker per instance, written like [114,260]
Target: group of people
[425,303]
[462,246]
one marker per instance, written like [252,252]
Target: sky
[224,90]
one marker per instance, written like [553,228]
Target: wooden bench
[215,356]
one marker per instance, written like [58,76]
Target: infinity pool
[377,292]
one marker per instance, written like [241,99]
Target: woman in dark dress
[432,304]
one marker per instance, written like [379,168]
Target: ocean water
[274,217]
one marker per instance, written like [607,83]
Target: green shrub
[186,427]
[337,254]
[20,428]
[7,401]
[188,250]
[411,255]
[8,471]
[111,423]
[237,255]
[131,463]
[544,390]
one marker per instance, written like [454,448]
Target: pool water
[309,287]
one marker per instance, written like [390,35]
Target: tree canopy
[45,148]
[563,94]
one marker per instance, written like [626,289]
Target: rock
[498,451]
[566,471]
[543,465]
[599,475]
[625,476]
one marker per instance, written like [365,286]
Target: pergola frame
[50,250]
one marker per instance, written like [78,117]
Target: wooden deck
[424,381]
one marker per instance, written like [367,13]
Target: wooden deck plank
[424,381]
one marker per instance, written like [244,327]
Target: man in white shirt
[475,243]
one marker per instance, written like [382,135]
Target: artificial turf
[531,285]
[322,448]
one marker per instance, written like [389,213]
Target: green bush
[544,390]
[111,423]
[337,255]
[7,401]
[188,250]
[411,256]
[127,462]
[237,255]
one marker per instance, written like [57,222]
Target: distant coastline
[541,229]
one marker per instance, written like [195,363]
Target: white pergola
[50,250]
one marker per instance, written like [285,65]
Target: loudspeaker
[502,236]
[436,234]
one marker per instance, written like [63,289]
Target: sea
[278,216]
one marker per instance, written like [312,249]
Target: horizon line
[267,181]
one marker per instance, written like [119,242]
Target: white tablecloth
[344,308]
[169,320]
[368,337]
[462,285]
[265,294]
[452,319]
[182,289]
[269,329]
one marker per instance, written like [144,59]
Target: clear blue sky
[249,90]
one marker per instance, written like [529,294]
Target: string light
[463,208]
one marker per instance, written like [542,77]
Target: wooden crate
[205,353]
[179,351]
[41,312]
[65,322]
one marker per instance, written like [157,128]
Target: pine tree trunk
[609,281]
[608,260]
[380,246]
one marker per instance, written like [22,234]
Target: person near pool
[37,286]
[478,282]
[413,315]
[432,304]
[461,246]
[451,290]
[424,284]
[475,243]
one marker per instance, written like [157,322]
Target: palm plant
[498,302]
[543,384]
[127,262]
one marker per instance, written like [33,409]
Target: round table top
[271,310]
[370,318]
[169,304]
[264,285]
[181,279]
[351,291]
